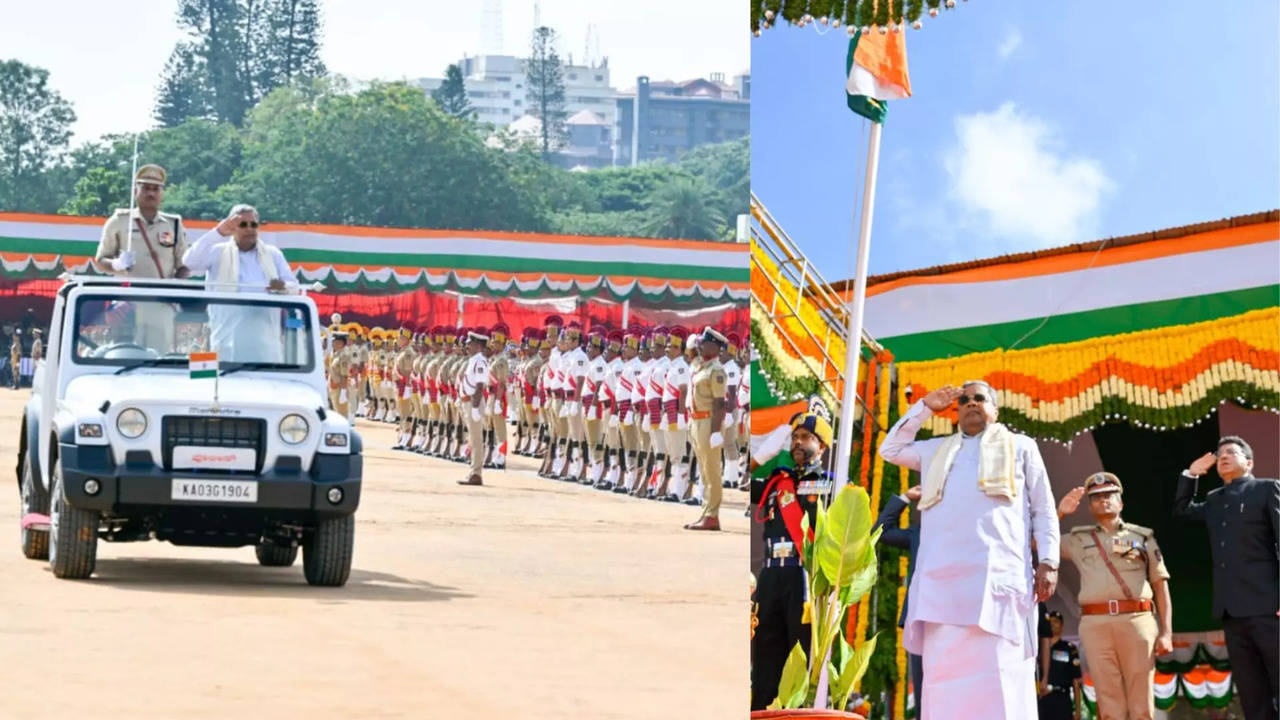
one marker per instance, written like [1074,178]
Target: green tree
[236,53]
[451,96]
[545,75]
[683,209]
[35,127]
[385,156]
[183,92]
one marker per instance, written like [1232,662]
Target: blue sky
[1031,125]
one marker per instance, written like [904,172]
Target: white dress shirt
[973,566]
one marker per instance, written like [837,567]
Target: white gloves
[630,419]
[537,403]
[613,421]
[717,440]
[475,413]
[124,262]
[575,407]
[772,444]
[593,412]
[682,421]
[564,410]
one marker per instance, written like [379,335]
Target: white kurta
[973,567]
[241,333]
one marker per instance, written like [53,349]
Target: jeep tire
[35,543]
[73,533]
[273,555]
[326,552]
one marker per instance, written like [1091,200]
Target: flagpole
[853,341]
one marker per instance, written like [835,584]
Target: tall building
[499,90]
[664,120]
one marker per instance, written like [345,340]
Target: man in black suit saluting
[1243,517]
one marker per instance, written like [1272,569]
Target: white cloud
[1010,184]
[1012,40]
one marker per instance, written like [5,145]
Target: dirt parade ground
[526,598]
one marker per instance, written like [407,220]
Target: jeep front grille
[212,432]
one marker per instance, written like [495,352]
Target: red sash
[784,481]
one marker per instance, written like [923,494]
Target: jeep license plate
[243,491]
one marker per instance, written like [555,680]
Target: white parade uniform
[972,609]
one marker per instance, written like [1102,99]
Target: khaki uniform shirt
[168,241]
[37,349]
[532,371]
[402,364]
[1133,551]
[708,385]
[339,368]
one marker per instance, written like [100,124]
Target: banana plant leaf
[841,549]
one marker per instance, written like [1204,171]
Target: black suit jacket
[902,538]
[1243,518]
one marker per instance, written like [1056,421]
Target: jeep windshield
[143,331]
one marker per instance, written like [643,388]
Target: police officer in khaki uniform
[37,348]
[496,418]
[15,357]
[1121,573]
[146,243]
[339,372]
[707,390]
[401,372]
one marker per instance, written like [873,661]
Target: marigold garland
[1168,377]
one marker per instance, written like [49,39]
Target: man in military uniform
[707,390]
[613,457]
[733,378]
[401,366]
[499,373]
[624,410]
[359,352]
[782,587]
[37,348]
[339,373]
[1060,692]
[1121,572]
[146,243]
[674,420]
[474,377]
[15,357]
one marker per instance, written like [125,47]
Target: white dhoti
[970,673]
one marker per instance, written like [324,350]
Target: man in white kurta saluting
[233,258]
[985,495]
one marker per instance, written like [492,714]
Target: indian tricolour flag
[203,364]
[877,70]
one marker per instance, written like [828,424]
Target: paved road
[526,598]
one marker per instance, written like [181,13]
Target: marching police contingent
[656,414]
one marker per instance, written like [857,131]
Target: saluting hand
[941,399]
[1202,464]
[227,226]
[1071,501]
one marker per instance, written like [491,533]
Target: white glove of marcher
[123,262]
[613,421]
[475,413]
[593,412]
[575,408]
[772,444]
[630,419]
[564,409]
[537,402]
[682,421]
[717,440]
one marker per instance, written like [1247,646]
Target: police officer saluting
[782,588]
[1121,572]
[1060,693]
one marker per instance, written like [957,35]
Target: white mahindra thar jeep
[134,431]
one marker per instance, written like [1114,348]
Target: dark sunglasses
[976,397]
[250,224]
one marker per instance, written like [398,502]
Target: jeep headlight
[131,423]
[293,429]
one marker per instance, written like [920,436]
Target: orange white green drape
[1162,378]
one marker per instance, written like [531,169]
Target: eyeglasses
[978,398]
[249,224]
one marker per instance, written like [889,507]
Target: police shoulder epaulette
[121,211]
[1139,530]
[1086,529]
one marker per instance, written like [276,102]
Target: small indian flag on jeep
[203,365]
